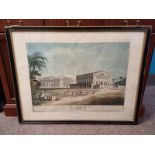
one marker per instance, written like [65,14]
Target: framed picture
[78,74]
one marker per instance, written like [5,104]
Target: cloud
[78,58]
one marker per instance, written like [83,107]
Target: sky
[71,59]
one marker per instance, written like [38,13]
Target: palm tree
[36,64]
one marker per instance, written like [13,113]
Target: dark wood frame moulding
[5,71]
[144,69]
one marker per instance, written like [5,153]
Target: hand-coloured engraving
[78,73]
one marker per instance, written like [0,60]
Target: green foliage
[36,64]
[119,81]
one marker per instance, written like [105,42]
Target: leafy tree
[121,78]
[36,64]
[120,81]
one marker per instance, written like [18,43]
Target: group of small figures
[80,92]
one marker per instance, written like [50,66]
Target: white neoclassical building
[99,79]
[55,82]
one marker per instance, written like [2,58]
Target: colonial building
[64,82]
[100,79]
[49,82]
[54,82]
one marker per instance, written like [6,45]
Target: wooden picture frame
[133,40]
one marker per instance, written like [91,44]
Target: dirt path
[107,97]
